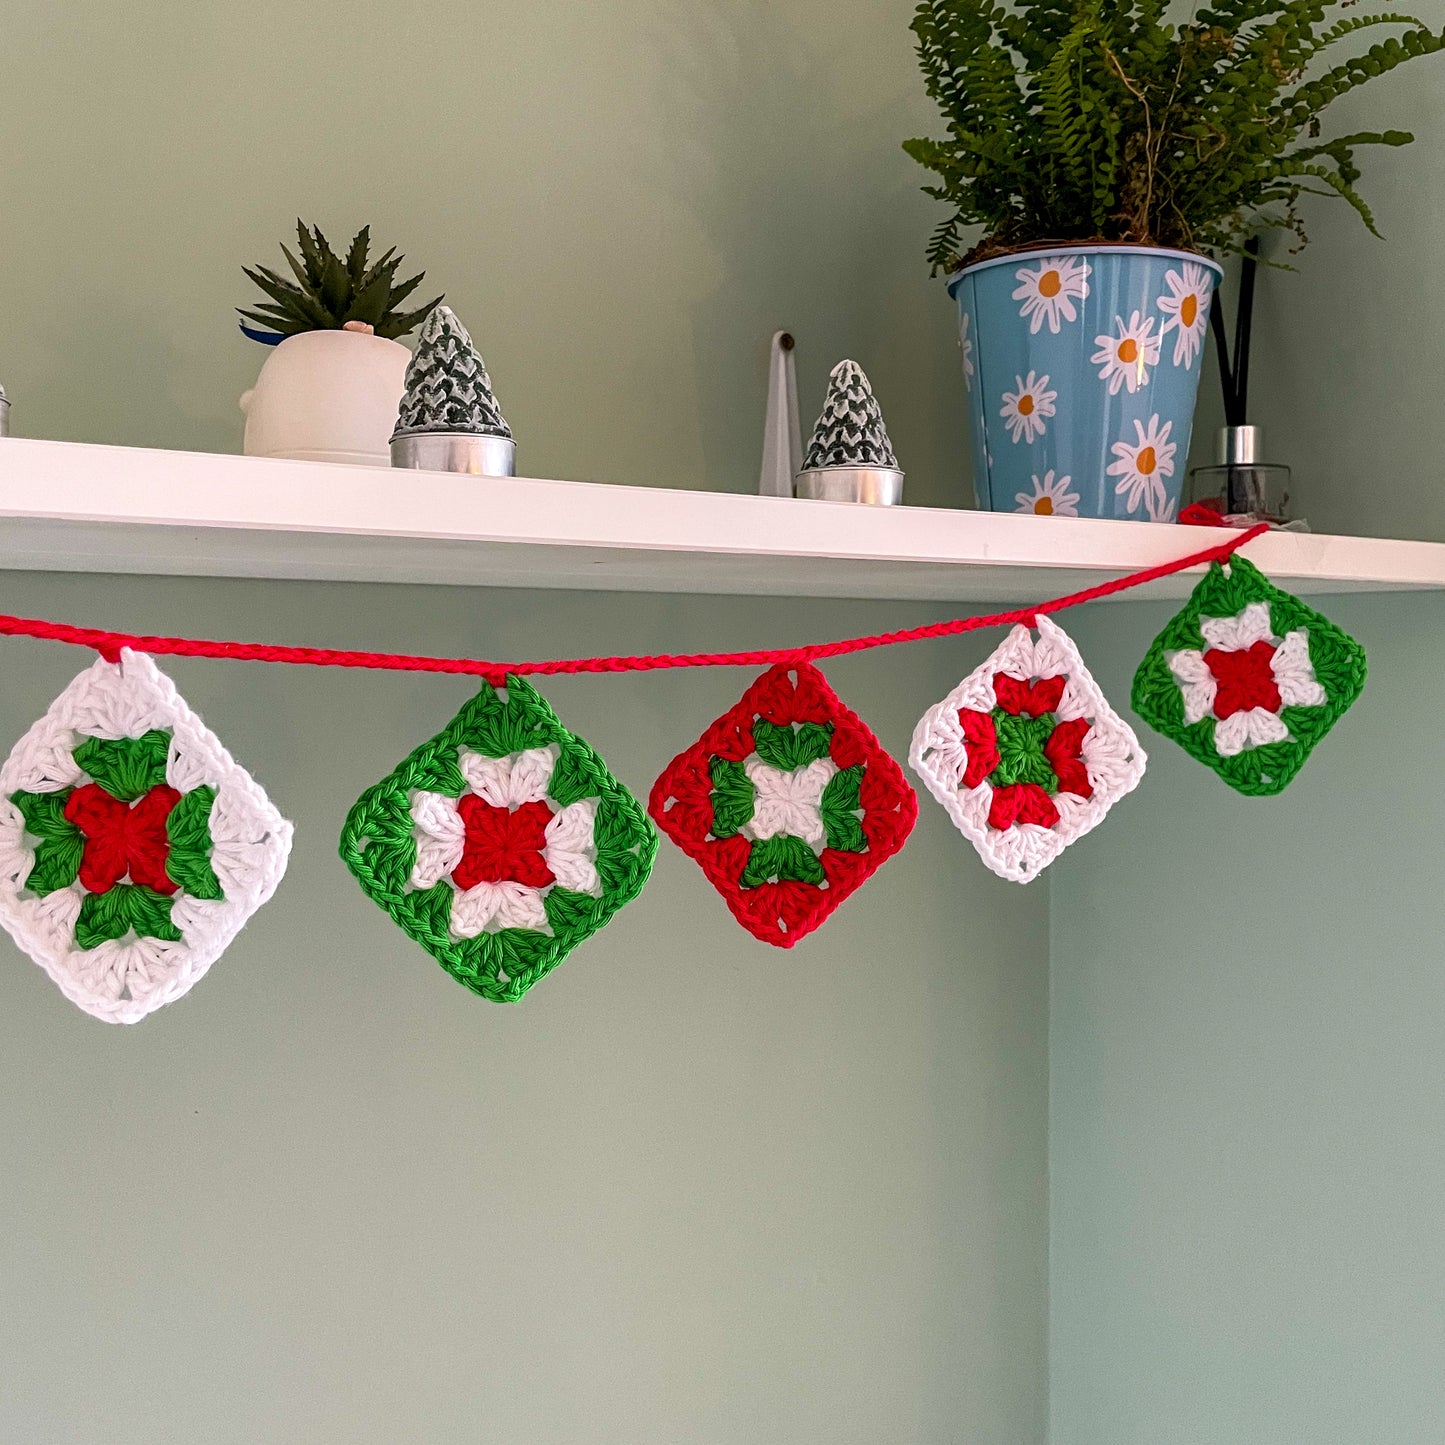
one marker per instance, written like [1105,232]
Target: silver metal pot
[450,451]
[875,486]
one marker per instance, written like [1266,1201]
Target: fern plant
[1103,120]
[329,292]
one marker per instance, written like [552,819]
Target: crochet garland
[133,848]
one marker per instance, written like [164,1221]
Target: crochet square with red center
[1248,679]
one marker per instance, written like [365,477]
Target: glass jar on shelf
[1242,484]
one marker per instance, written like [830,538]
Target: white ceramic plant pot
[327,396]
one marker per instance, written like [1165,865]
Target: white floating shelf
[75,508]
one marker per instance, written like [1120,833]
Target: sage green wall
[693,1190]
[1246,1093]
[1347,375]
[1248,998]
[622,200]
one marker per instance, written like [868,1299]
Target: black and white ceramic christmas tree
[850,458]
[449,419]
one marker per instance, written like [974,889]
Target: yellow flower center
[1044,506]
[1026,405]
[1188,310]
[1146,461]
[1050,284]
[1128,350]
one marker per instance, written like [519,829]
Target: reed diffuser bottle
[1241,486]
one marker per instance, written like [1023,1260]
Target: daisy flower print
[965,345]
[1049,498]
[1024,410]
[1049,291]
[1186,310]
[1125,359]
[1142,467]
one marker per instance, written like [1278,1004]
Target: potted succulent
[1111,152]
[330,390]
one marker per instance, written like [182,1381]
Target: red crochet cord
[109,644]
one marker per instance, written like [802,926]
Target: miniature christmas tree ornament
[1247,679]
[449,419]
[850,458]
[500,844]
[133,848]
[787,803]
[1025,754]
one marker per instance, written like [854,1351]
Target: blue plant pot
[1082,365]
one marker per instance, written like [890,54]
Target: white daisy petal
[1250,728]
[571,850]
[1048,290]
[1196,682]
[1125,359]
[511,781]
[1240,632]
[440,838]
[1050,497]
[965,345]
[490,907]
[1294,673]
[1024,410]
[1186,310]
[1141,467]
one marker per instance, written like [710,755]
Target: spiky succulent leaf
[356,255]
[310,251]
[370,275]
[401,292]
[409,320]
[329,291]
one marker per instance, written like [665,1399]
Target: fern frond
[1108,119]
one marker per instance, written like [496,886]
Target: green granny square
[500,844]
[1248,679]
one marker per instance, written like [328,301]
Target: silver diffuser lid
[1241,446]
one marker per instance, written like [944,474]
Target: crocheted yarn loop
[500,844]
[1247,679]
[787,803]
